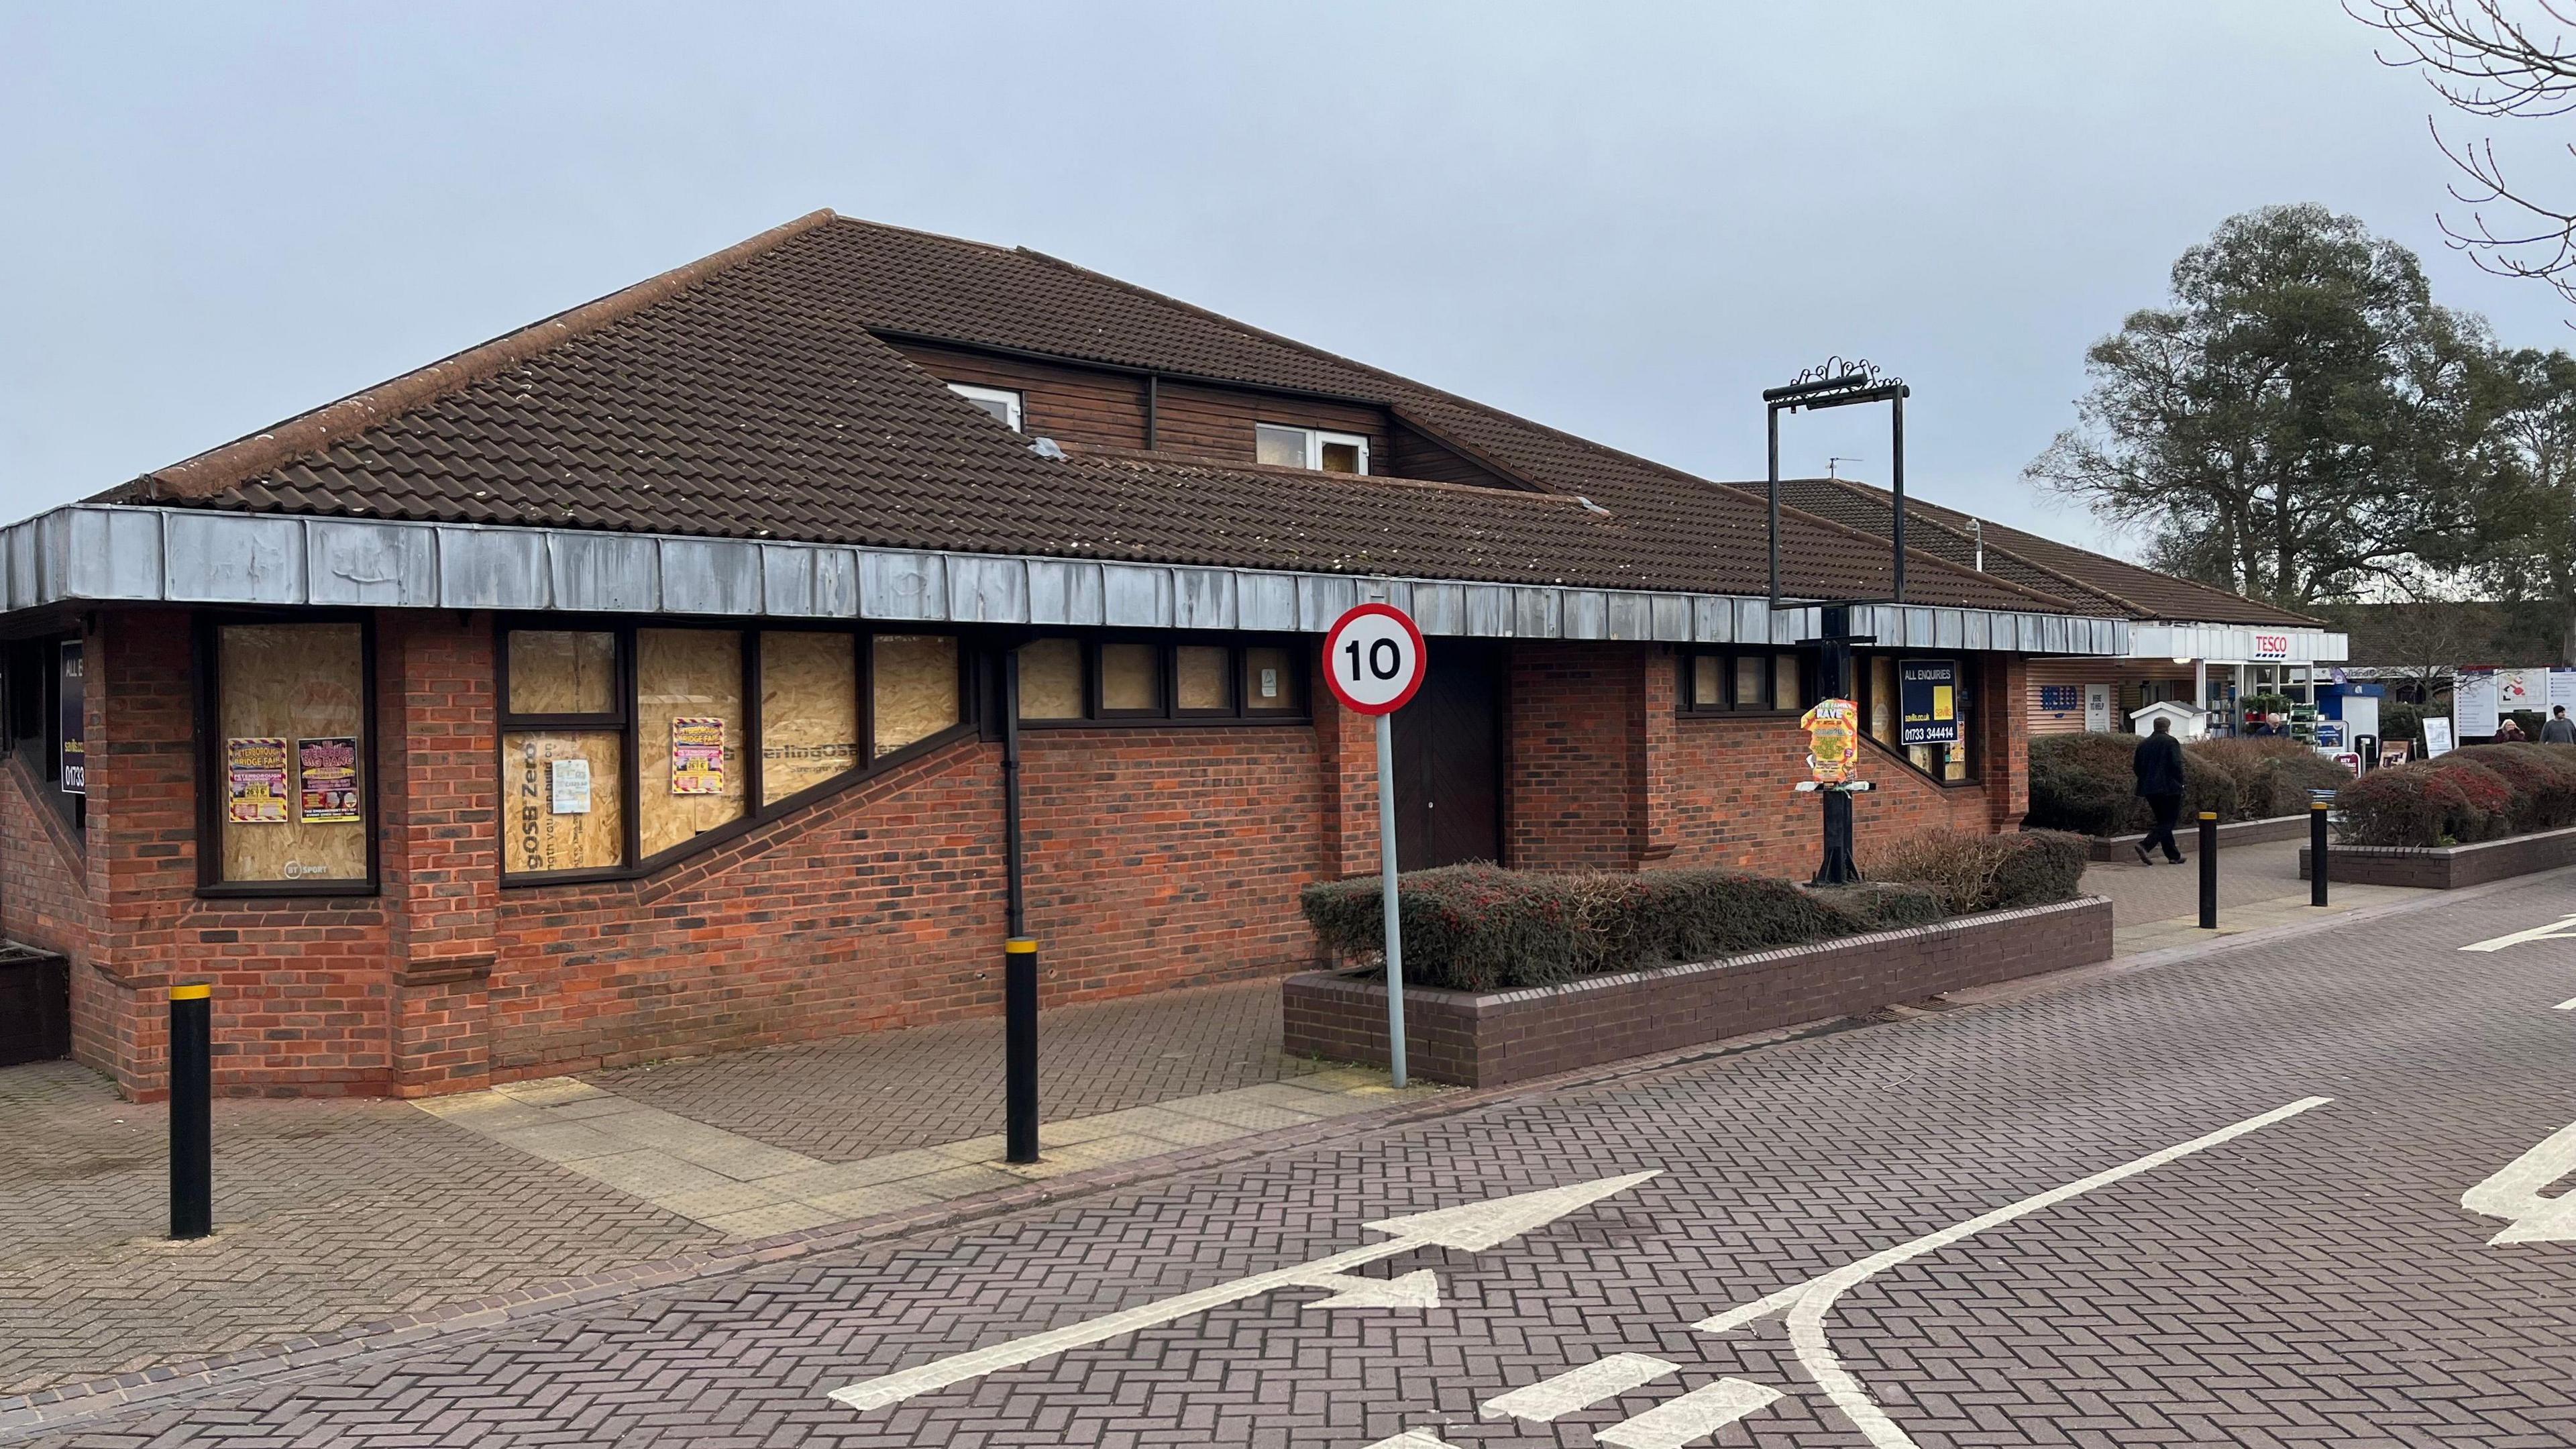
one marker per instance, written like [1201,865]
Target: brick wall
[1156,857]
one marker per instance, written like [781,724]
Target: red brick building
[628,686]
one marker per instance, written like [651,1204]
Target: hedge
[2088,783]
[2478,792]
[1972,873]
[1483,928]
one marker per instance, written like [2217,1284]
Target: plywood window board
[1199,679]
[689,732]
[292,801]
[559,819]
[915,687]
[1051,679]
[1272,683]
[1131,678]
[809,711]
[562,671]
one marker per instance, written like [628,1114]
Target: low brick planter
[1489,1038]
[2444,867]
[2187,834]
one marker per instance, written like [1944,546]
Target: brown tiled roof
[2032,559]
[749,395]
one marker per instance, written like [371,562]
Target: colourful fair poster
[255,781]
[697,757]
[326,780]
[1833,740]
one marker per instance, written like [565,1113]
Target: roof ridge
[311,431]
[1924,512]
[2191,583]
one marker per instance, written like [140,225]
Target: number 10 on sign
[1373,662]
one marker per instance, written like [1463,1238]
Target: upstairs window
[1002,402]
[1282,446]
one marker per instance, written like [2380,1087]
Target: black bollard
[2317,852]
[2209,870]
[1020,1049]
[192,1119]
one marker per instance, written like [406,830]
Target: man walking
[2559,730]
[2158,764]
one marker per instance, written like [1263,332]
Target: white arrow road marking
[1695,1415]
[2514,1193]
[2563,929]
[1596,1382]
[1416,1290]
[1471,1228]
[1807,1303]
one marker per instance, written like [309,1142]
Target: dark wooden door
[1448,762]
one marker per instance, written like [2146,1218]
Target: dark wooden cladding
[1099,408]
[1081,406]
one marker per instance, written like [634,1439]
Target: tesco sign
[2271,646]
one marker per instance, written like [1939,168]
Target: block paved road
[2311,1281]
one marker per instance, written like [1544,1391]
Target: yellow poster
[255,781]
[1833,740]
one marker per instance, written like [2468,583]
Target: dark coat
[2159,765]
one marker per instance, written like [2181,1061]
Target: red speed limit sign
[1373,659]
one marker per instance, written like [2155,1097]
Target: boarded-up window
[1051,679]
[1131,679]
[1882,699]
[688,734]
[562,800]
[1752,675]
[1708,682]
[1786,692]
[1198,674]
[1271,681]
[915,678]
[809,710]
[560,671]
[292,797]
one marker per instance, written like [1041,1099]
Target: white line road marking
[1471,1228]
[2514,1193]
[1807,1303]
[1413,1439]
[2563,929]
[1581,1388]
[2568,1005]
[1695,1415]
[1414,1291]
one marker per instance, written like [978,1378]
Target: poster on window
[73,723]
[2562,689]
[2521,689]
[697,756]
[1929,696]
[568,787]
[2473,704]
[255,780]
[326,780]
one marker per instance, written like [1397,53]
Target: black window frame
[1168,712]
[623,719]
[206,667]
[1686,665]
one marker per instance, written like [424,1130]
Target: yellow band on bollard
[191,993]
[1020,946]
[2318,805]
[2209,815]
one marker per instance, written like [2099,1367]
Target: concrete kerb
[51,1410]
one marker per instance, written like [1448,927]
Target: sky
[1621,220]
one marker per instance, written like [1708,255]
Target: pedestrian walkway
[2157,906]
[335,1214]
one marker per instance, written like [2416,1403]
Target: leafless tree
[2498,60]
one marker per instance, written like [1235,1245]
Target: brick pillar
[1347,744]
[141,847]
[439,800]
[1654,728]
[2005,746]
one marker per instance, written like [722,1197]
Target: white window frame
[1009,398]
[1314,441]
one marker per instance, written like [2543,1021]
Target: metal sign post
[1373,663]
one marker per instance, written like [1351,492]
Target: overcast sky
[1621,220]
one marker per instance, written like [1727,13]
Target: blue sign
[1929,694]
[2061,698]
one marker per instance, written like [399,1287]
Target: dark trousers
[2168,809]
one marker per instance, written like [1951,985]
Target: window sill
[285,890]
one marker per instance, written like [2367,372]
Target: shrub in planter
[2452,800]
[1987,872]
[1483,928]
[1883,905]
[2542,778]
[2086,783]
[2271,774]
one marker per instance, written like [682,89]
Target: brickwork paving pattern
[2311,1281]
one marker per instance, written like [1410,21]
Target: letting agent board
[1928,691]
